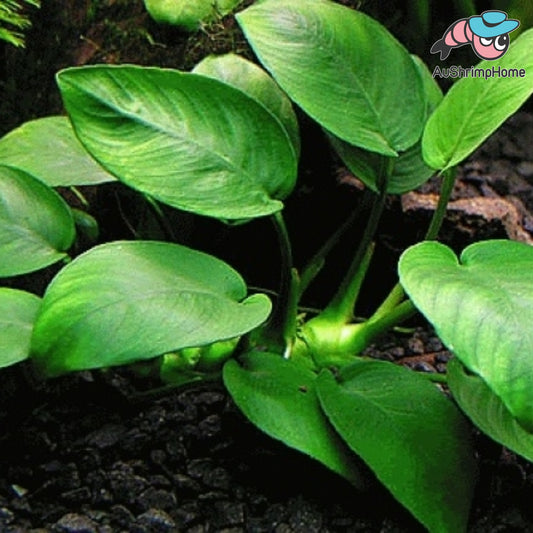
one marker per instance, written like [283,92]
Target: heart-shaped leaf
[255,82]
[341,67]
[476,106]
[36,225]
[188,140]
[413,438]
[18,310]
[409,170]
[47,149]
[482,308]
[279,397]
[122,302]
[487,411]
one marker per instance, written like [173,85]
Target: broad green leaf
[342,68]
[482,308]
[409,170]
[190,141]
[47,149]
[279,397]
[18,310]
[122,302]
[188,14]
[36,225]
[413,438]
[255,82]
[475,107]
[487,411]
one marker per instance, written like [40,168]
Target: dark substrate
[88,455]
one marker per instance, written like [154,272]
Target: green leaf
[475,107]
[190,141]
[188,14]
[412,437]
[18,310]
[36,225]
[342,67]
[409,171]
[279,397]
[255,82]
[487,411]
[122,302]
[482,309]
[47,149]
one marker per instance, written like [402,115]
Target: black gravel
[89,454]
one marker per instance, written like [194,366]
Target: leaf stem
[397,294]
[372,328]
[280,331]
[315,264]
[80,196]
[340,308]
[393,299]
[160,217]
[448,181]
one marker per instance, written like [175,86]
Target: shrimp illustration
[488,34]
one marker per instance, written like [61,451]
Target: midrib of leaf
[174,135]
[321,47]
[33,235]
[354,78]
[366,398]
[389,416]
[18,323]
[148,296]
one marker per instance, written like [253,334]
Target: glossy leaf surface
[279,397]
[487,411]
[48,149]
[475,107]
[188,140]
[126,301]
[341,67]
[18,310]
[482,308]
[255,82]
[413,438]
[36,225]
